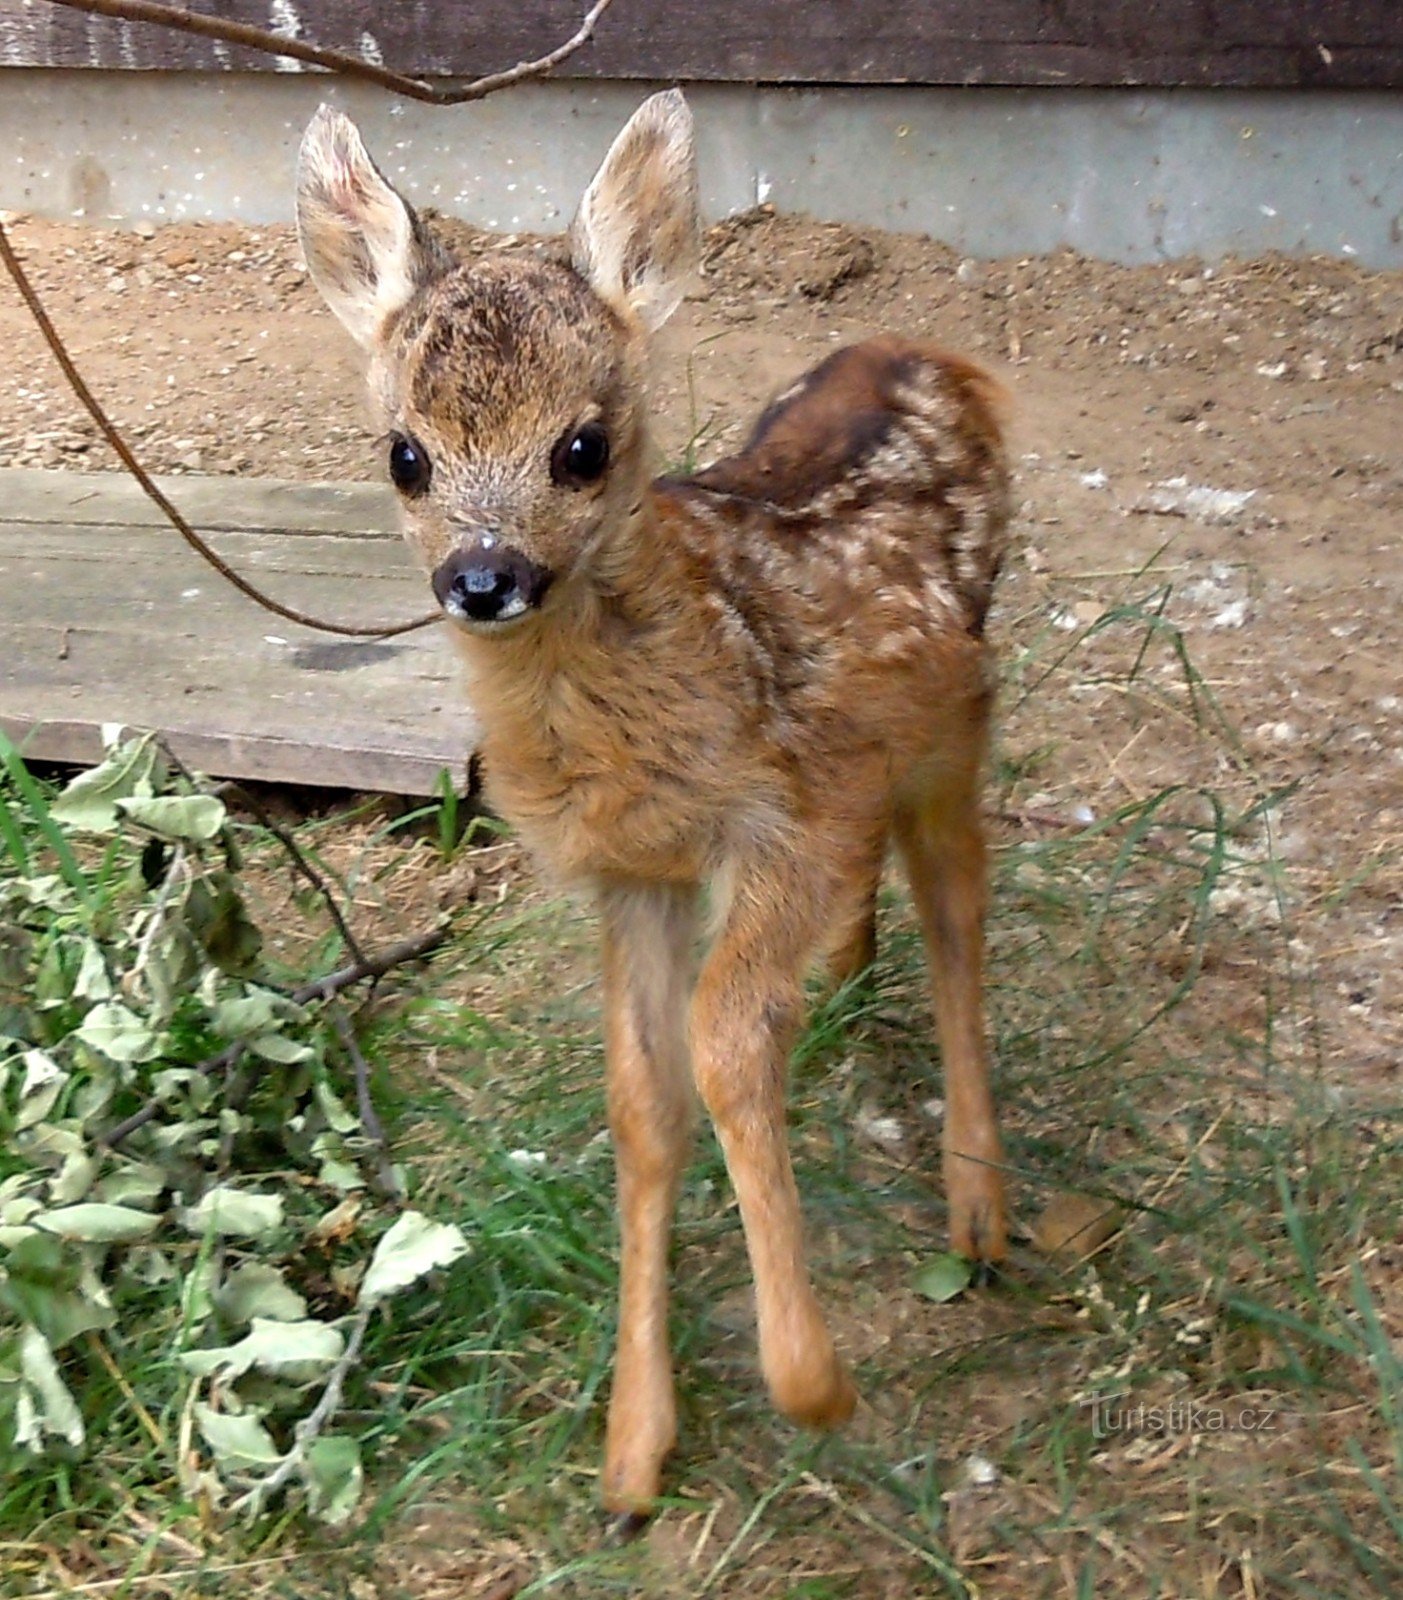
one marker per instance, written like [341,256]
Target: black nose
[490,585]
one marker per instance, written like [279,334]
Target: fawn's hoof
[623,1527]
[978,1225]
[827,1402]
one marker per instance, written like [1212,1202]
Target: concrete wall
[1128,175]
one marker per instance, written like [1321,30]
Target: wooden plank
[109,622]
[81,499]
[1238,43]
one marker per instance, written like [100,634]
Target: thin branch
[309,1429]
[298,857]
[373,967]
[342,61]
[369,1117]
[384,1180]
[225,1059]
[109,432]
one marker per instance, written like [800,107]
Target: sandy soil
[1278,381]
[1217,443]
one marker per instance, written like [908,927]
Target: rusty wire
[152,489]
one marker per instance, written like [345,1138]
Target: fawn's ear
[635,237]
[366,250]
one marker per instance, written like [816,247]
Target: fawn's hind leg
[851,946]
[941,840]
[648,934]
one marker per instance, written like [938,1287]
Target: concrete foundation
[1126,175]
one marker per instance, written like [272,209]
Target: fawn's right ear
[366,250]
[636,236]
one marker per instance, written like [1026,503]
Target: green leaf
[298,1351]
[251,1015]
[45,1405]
[236,1442]
[92,982]
[115,1031]
[89,803]
[277,1047]
[41,815]
[74,1179]
[228,1211]
[148,1266]
[43,1284]
[338,1114]
[332,1471]
[95,1223]
[943,1277]
[215,915]
[136,1184]
[258,1290]
[413,1246]
[43,1083]
[195,817]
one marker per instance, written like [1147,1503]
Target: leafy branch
[171,1121]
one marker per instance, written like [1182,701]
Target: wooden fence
[1202,43]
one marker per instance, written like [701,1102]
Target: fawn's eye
[410,468]
[580,456]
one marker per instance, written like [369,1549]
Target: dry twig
[342,61]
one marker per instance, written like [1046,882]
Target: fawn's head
[512,389]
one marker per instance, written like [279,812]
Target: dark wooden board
[1239,43]
[105,617]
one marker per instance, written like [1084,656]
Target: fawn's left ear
[636,236]
[366,250]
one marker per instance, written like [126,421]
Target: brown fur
[753,678]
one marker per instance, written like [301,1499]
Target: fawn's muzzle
[490,584]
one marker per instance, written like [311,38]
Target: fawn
[750,679]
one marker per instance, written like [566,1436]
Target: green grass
[1158,1045]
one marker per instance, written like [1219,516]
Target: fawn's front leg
[648,934]
[744,1016]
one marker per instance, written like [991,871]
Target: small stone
[1075,1224]
[144,229]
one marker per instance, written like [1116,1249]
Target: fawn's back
[754,677]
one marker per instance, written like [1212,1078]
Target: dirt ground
[1139,393]
[1220,442]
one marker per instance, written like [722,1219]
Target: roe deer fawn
[749,679]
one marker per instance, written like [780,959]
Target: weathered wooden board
[107,617]
[1242,43]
